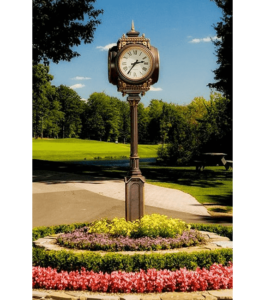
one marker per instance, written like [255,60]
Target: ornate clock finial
[132,26]
[133,32]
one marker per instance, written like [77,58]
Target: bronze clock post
[133,66]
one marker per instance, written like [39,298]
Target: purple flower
[82,239]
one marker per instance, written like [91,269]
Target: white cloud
[155,89]
[107,47]
[204,40]
[77,86]
[80,78]
[83,99]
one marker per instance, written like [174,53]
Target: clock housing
[135,64]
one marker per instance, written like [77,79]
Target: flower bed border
[70,261]
[42,231]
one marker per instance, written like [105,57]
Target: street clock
[133,65]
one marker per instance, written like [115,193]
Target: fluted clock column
[134,183]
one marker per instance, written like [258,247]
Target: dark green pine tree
[224,51]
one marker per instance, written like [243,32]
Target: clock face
[135,63]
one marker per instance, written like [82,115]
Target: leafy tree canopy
[59,25]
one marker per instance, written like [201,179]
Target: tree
[143,121]
[57,27]
[223,51]
[103,117]
[54,115]
[41,87]
[155,109]
[201,126]
[124,131]
[215,130]
[72,107]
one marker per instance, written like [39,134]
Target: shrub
[159,225]
[226,231]
[115,227]
[150,226]
[70,261]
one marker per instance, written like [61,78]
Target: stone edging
[84,295]
[215,241]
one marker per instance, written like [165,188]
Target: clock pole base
[134,197]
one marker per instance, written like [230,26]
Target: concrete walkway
[63,198]
[155,196]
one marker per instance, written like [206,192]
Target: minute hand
[133,64]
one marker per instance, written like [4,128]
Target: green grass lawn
[76,150]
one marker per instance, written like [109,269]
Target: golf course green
[77,150]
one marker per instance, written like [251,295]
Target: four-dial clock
[135,63]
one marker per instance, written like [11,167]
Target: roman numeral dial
[135,63]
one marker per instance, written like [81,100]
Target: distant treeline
[182,130]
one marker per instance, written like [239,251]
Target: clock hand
[137,62]
[133,64]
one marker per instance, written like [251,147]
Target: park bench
[212,159]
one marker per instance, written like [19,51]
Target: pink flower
[217,277]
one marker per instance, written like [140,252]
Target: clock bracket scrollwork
[126,88]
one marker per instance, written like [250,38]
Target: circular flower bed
[140,273]
[83,239]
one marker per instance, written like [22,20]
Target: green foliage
[42,231]
[104,118]
[159,225]
[72,107]
[57,28]
[42,98]
[201,126]
[154,111]
[70,261]
[224,50]
[120,226]
[114,227]
[226,231]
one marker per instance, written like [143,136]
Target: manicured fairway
[77,150]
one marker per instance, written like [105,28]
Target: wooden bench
[227,163]
[200,164]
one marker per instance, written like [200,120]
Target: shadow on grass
[61,172]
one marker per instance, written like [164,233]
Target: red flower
[217,277]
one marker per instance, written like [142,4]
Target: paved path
[62,197]
[155,196]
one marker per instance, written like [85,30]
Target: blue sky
[181,31]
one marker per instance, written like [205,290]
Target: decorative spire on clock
[133,32]
[132,26]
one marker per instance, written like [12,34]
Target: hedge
[71,261]
[226,231]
